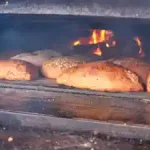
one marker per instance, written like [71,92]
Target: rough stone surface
[113,8]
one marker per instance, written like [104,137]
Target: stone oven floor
[43,99]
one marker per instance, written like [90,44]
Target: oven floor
[74,103]
[35,139]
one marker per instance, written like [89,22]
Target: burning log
[106,50]
[84,49]
[105,44]
[97,36]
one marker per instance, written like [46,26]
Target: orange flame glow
[139,43]
[97,52]
[106,36]
[77,43]
[97,36]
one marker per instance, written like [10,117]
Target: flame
[97,52]
[139,43]
[97,36]
[106,36]
[77,43]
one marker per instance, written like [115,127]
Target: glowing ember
[76,43]
[97,52]
[107,45]
[10,139]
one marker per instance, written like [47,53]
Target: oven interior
[95,37]
[99,38]
[74,35]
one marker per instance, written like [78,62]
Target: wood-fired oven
[99,29]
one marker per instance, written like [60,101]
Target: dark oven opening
[96,36]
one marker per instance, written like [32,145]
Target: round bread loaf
[54,67]
[136,65]
[18,70]
[101,76]
[38,57]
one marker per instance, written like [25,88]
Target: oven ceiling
[102,8]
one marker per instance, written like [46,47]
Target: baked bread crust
[54,67]
[101,76]
[18,70]
[148,82]
[138,66]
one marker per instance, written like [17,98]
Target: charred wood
[126,48]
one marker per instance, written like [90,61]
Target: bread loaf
[148,82]
[101,76]
[138,66]
[38,57]
[17,70]
[54,67]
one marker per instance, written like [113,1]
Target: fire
[77,43]
[96,37]
[139,43]
[106,36]
[98,52]
[99,36]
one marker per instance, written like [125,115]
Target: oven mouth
[45,96]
